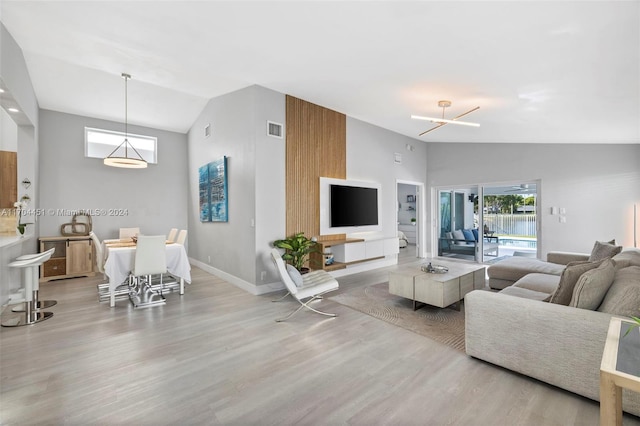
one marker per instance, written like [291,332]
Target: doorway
[510,218]
[410,216]
[500,220]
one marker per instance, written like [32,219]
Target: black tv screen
[353,206]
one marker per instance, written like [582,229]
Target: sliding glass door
[502,218]
[510,218]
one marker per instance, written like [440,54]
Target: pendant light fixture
[113,159]
[441,121]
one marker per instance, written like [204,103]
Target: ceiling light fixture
[126,161]
[442,121]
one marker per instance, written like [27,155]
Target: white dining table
[120,261]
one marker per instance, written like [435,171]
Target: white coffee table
[439,290]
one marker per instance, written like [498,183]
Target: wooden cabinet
[73,257]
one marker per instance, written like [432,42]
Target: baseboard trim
[256,290]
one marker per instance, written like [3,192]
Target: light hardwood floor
[216,356]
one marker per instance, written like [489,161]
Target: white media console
[352,251]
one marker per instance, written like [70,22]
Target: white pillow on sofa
[459,235]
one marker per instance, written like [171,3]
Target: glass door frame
[479,189]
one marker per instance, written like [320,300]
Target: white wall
[155,198]
[14,74]
[596,184]
[8,132]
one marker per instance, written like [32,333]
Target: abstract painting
[212,179]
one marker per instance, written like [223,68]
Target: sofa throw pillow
[468,235]
[474,231]
[568,280]
[458,235]
[604,250]
[295,275]
[627,257]
[593,285]
[623,297]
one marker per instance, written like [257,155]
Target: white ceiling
[541,71]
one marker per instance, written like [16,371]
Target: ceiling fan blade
[465,113]
[433,128]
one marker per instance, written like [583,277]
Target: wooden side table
[620,368]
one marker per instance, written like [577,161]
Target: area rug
[442,325]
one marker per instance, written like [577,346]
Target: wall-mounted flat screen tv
[353,206]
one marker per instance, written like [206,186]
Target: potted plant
[297,249]
[413,221]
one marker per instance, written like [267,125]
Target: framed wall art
[213,191]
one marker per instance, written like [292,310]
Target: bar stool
[30,265]
[38,304]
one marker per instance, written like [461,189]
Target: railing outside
[523,225]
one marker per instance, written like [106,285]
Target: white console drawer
[352,252]
[374,248]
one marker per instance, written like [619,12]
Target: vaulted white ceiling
[541,71]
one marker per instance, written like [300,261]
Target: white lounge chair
[309,286]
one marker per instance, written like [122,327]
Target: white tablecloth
[120,261]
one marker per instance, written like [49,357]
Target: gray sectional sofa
[508,271]
[562,345]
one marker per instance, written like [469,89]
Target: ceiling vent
[274,129]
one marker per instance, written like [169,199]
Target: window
[99,143]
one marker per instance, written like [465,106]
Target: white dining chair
[182,237]
[129,232]
[122,291]
[150,259]
[172,235]
[97,247]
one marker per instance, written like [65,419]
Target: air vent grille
[274,129]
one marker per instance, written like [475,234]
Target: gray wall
[596,184]
[155,198]
[371,157]
[237,250]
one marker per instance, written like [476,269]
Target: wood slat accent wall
[316,139]
[8,178]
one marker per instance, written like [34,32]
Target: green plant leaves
[297,249]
